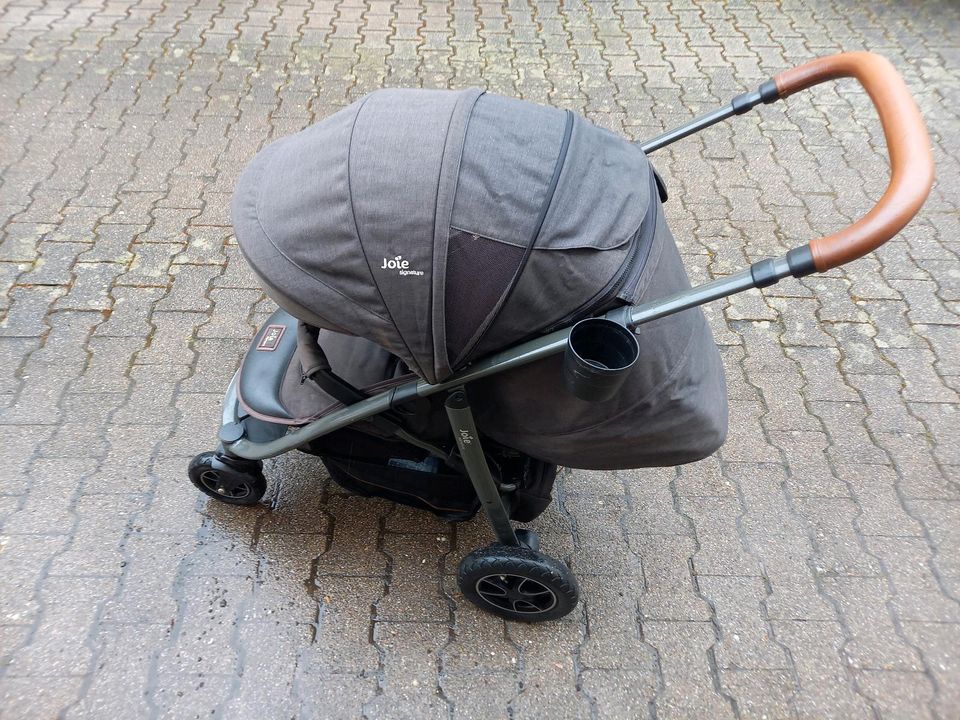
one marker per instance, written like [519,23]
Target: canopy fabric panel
[442,225]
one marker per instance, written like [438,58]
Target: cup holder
[600,354]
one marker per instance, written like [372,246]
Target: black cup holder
[600,354]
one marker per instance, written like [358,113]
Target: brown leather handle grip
[911,162]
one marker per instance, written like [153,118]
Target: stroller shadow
[352,566]
[312,549]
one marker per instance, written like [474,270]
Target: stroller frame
[500,577]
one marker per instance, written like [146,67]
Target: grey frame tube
[471,452]
[528,352]
[694,126]
[766,93]
[759,275]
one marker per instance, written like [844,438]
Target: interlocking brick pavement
[810,569]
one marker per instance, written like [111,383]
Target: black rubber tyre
[518,583]
[237,483]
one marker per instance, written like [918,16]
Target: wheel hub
[224,483]
[517,593]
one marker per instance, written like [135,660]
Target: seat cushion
[271,385]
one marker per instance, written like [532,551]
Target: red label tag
[270,338]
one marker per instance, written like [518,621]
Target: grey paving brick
[760,693]
[50,652]
[905,694]
[25,697]
[688,688]
[745,640]
[615,641]
[269,672]
[878,494]
[875,644]
[124,653]
[835,524]
[408,682]
[619,693]
[343,639]
[937,643]
[720,550]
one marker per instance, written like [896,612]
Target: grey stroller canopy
[445,225]
[441,224]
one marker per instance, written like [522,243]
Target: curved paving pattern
[810,569]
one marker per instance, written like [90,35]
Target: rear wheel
[236,482]
[518,583]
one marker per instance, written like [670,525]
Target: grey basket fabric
[671,410]
[445,225]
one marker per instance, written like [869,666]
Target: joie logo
[270,339]
[400,265]
[465,437]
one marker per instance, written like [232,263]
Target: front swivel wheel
[229,480]
[518,583]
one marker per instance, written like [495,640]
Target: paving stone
[269,671]
[827,687]
[25,316]
[845,422]
[338,695]
[745,441]
[704,478]
[185,695]
[940,520]
[878,494]
[905,694]
[124,653]
[937,643]
[25,697]
[760,693]
[745,640]
[840,547]
[688,686]
[150,266]
[619,693]
[343,636]
[548,667]
[52,653]
[21,240]
[939,418]
[720,550]
[822,379]
[409,682]
[205,625]
[615,641]
[875,644]
[91,287]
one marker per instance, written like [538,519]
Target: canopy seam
[356,229]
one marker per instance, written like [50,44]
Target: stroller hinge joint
[764,273]
[765,94]
[232,432]
[797,262]
[800,260]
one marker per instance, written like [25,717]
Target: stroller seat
[275,387]
[272,385]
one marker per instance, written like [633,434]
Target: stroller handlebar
[911,161]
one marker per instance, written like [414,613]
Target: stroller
[475,290]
